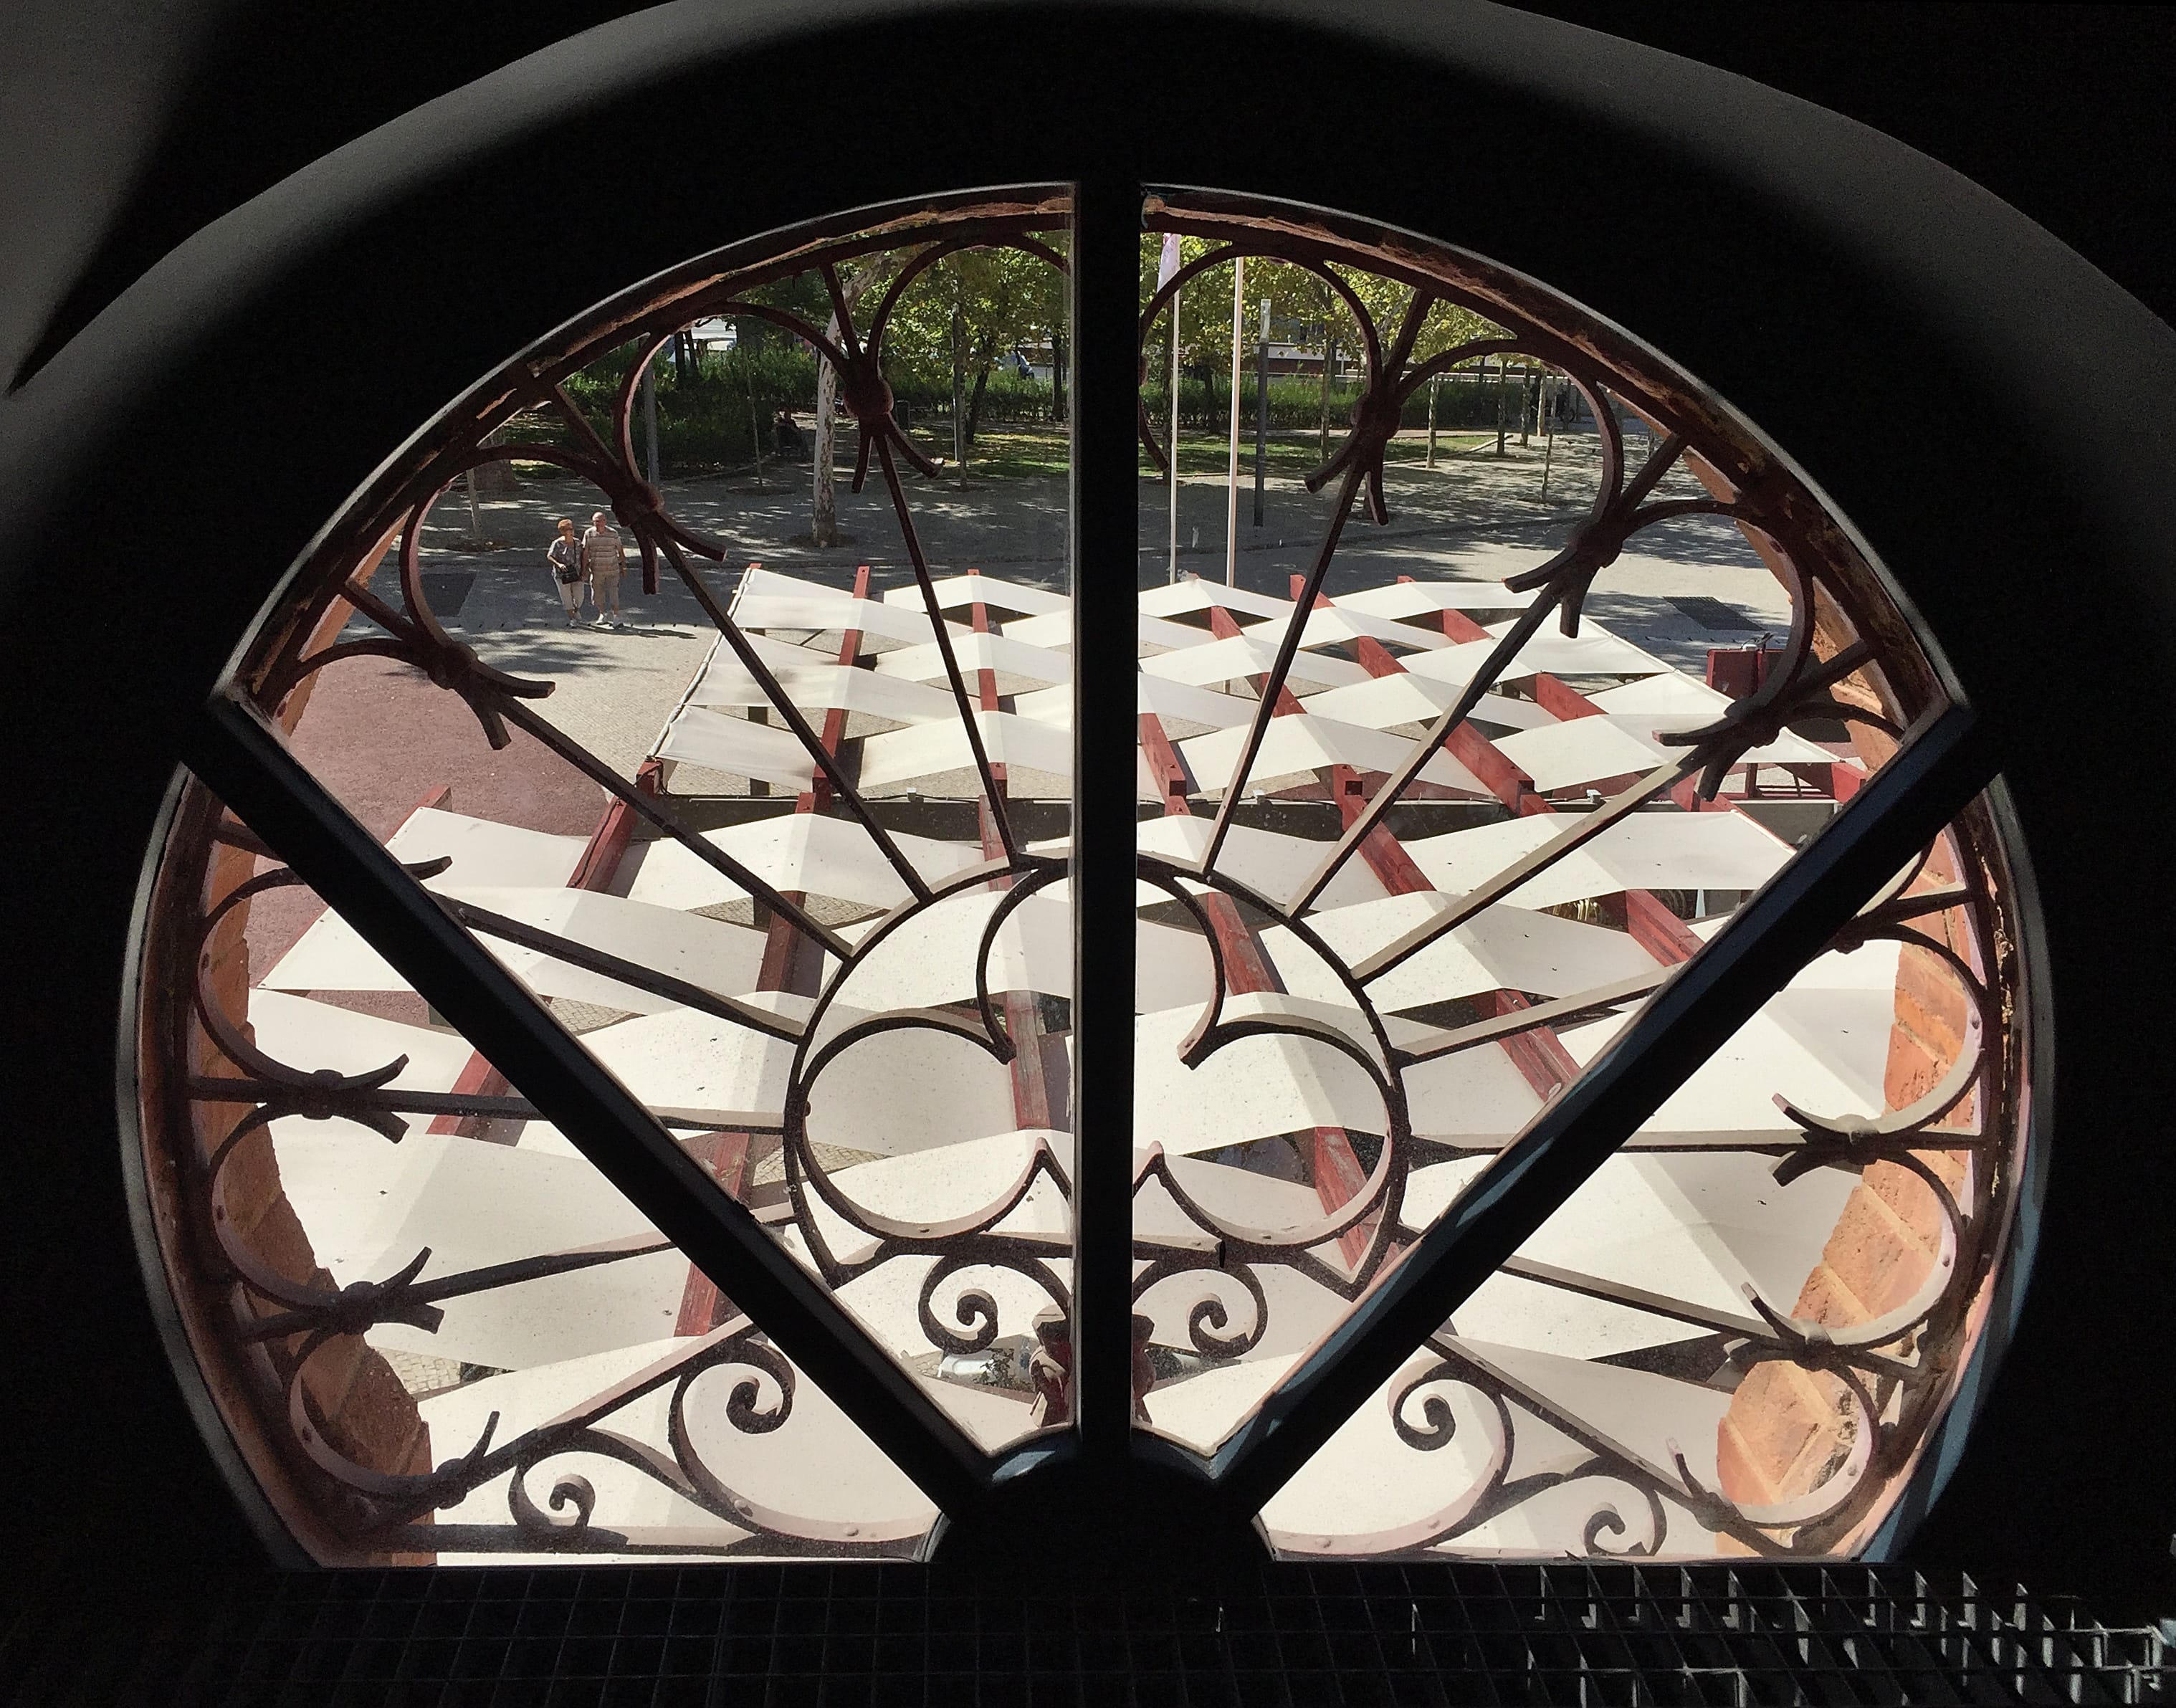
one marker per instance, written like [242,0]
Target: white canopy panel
[815,853]
[1405,600]
[1212,663]
[720,957]
[1002,653]
[804,613]
[1295,748]
[814,688]
[1055,633]
[484,851]
[956,592]
[1593,651]
[1642,851]
[900,757]
[1335,626]
[1579,750]
[1190,593]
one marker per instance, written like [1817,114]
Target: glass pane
[1530,667]
[760,784]
[1442,581]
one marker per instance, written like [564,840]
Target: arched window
[1381,1029]
[1413,1205]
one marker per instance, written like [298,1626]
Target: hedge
[1295,404]
[707,420]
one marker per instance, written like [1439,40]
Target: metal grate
[449,590]
[1714,616]
[830,1636]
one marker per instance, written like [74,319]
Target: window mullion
[1106,295]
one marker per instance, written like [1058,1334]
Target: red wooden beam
[608,843]
[1495,769]
[790,963]
[818,796]
[1562,701]
[1225,627]
[726,1154]
[1539,1052]
[1029,1070]
[1554,696]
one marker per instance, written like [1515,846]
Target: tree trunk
[974,401]
[823,502]
[1329,366]
[822,494]
[496,480]
[958,397]
[983,359]
[1057,379]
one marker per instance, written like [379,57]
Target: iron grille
[1913,858]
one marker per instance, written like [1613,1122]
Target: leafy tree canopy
[971,307]
[1303,309]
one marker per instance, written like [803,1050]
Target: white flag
[1169,264]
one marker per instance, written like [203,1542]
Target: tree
[1296,295]
[961,313]
[824,504]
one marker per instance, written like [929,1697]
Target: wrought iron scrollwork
[1212,1277]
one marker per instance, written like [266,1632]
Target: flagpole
[1231,481]
[1169,265]
[1173,442]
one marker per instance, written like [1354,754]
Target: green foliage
[803,294]
[964,315]
[1007,397]
[1292,456]
[1465,400]
[968,310]
[1017,453]
[1303,310]
[705,419]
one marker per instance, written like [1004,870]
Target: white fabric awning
[1406,599]
[1641,851]
[1212,663]
[1303,745]
[816,853]
[957,592]
[976,651]
[1579,750]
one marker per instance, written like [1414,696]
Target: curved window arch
[1469,945]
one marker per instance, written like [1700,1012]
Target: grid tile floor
[872,1636]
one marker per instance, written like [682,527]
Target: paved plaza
[1474,516]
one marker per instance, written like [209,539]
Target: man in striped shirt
[604,558]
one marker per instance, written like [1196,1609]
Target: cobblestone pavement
[1473,515]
